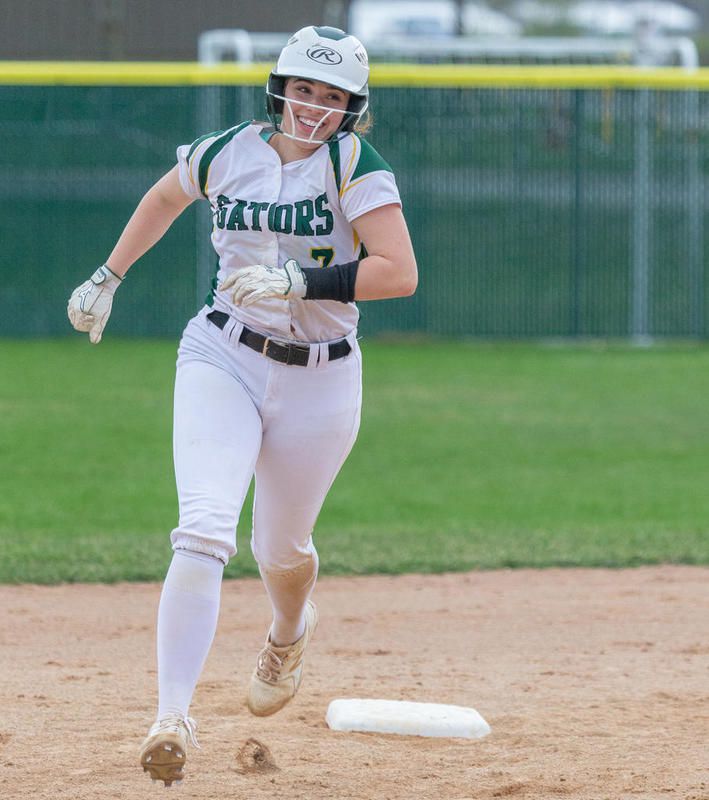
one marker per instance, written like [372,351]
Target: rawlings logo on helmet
[323,55]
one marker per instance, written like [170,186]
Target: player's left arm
[389,269]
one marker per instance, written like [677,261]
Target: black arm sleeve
[331,283]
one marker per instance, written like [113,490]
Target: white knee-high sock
[187,621]
[289,591]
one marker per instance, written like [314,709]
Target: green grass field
[469,456]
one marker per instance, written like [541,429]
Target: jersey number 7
[322,254]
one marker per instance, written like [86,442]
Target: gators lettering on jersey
[265,212]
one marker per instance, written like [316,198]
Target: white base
[410,719]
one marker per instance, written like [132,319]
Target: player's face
[316,109]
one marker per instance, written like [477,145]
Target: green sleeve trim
[212,151]
[335,158]
[369,161]
[199,141]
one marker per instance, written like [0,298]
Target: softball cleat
[163,753]
[279,670]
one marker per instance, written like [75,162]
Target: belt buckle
[264,349]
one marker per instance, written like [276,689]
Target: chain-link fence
[534,212]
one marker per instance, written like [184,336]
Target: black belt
[285,353]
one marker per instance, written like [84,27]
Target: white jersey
[266,212]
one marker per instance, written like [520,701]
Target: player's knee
[285,558]
[207,524]
[205,545]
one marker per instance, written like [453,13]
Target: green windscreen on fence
[534,211]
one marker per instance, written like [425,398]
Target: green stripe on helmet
[326,32]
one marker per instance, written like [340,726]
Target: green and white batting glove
[90,304]
[248,285]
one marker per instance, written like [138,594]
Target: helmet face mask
[326,55]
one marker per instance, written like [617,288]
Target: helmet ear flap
[356,107]
[276,85]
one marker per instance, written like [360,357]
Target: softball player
[307,219]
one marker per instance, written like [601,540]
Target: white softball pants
[238,414]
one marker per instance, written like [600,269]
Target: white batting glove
[90,304]
[250,284]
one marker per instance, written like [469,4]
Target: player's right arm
[90,304]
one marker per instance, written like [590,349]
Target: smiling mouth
[311,124]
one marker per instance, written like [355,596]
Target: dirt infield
[595,683]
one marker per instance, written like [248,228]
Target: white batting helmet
[322,54]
